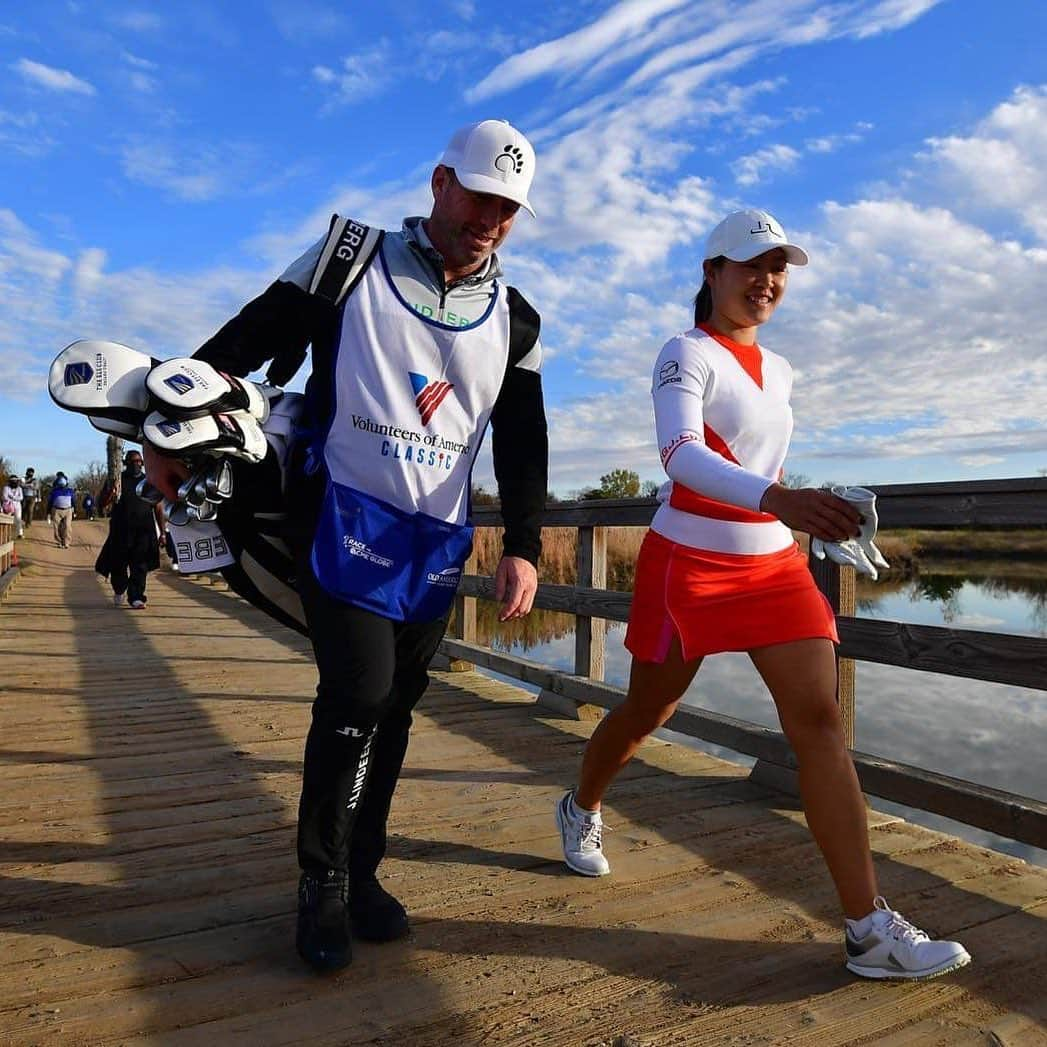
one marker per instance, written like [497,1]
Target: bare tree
[114,453]
[91,478]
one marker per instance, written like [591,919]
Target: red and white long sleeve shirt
[723,420]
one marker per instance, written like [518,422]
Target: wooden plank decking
[149,770]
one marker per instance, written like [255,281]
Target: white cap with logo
[492,157]
[743,235]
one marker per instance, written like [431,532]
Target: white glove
[859,553]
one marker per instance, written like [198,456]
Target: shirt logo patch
[428,395]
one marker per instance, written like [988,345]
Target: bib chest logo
[428,395]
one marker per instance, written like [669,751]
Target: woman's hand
[820,513]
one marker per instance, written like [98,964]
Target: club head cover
[184,388]
[111,427]
[105,380]
[236,433]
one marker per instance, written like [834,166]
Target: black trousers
[373,671]
[129,578]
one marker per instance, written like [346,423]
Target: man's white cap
[492,157]
[745,234]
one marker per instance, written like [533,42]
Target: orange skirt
[721,601]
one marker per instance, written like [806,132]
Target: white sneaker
[137,605]
[894,948]
[580,834]
[119,599]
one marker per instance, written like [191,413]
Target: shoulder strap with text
[346,254]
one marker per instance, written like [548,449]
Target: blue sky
[160,165]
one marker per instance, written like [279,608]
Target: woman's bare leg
[801,677]
[654,690]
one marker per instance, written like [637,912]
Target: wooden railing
[7,541]
[995,504]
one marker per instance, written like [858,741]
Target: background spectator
[60,510]
[30,496]
[11,501]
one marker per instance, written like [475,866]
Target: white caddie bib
[412,399]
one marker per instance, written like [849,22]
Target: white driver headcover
[105,379]
[235,433]
[187,388]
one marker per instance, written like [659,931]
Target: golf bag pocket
[401,565]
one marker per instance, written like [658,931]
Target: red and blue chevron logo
[428,395]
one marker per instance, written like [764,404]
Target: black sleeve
[278,325]
[520,440]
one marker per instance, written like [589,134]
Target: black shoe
[377,916]
[323,939]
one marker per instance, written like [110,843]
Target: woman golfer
[719,571]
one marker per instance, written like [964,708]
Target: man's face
[466,227]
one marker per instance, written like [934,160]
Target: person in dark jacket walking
[132,550]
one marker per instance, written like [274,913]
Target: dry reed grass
[559,546]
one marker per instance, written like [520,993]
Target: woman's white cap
[745,234]
[492,157]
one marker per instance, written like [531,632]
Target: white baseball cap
[745,234]
[492,157]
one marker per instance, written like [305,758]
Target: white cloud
[137,62]
[749,170]
[889,15]
[729,35]
[831,143]
[22,133]
[360,76]
[202,176]
[573,51]
[1002,164]
[52,79]
[141,83]
[199,171]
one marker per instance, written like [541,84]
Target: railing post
[838,588]
[590,634]
[464,625]
[591,573]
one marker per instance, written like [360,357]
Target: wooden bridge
[150,766]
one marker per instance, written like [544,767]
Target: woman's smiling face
[745,294]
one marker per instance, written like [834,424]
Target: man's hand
[821,514]
[164,472]
[515,583]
